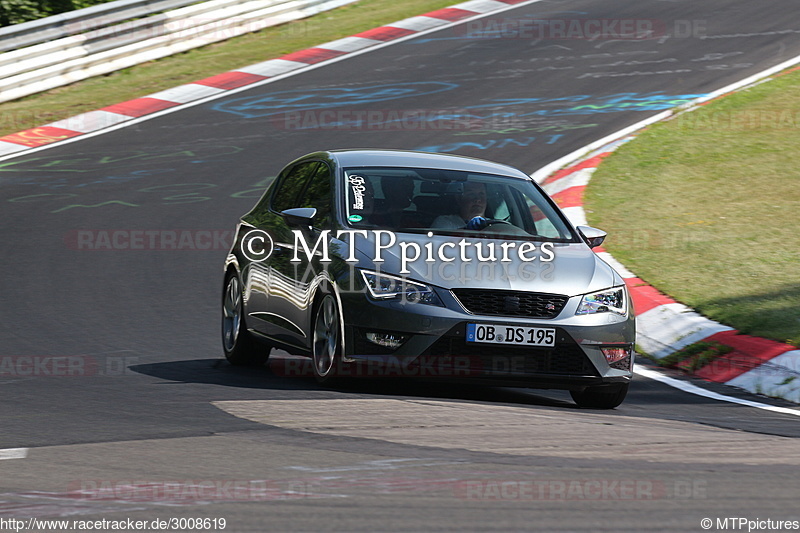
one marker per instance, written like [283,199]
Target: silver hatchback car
[394,263]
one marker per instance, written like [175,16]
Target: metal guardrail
[81,21]
[101,39]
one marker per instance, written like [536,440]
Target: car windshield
[419,200]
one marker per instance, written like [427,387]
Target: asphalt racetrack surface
[112,372]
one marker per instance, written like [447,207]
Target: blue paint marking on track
[490,143]
[588,104]
[59,182]
[304,99]
[493,112]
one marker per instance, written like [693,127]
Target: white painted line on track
[13,453]
[685,386]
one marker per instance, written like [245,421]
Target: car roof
[408,158]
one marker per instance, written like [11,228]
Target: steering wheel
[493,221]
[503,227]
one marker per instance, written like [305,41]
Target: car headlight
[386,287]
[607,301]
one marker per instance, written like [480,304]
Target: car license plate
[514,335]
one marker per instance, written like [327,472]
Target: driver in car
[471,209]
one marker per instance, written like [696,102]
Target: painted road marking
[13,453]
[685,386]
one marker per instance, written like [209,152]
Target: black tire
[239,346]
[326,345]
[600,397]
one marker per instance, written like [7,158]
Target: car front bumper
[434,345]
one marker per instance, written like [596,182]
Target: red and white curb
[759,365]
[116,114]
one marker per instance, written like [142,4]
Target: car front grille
[511,303]
[565,358]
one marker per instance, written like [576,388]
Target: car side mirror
[594,237]
[299,216]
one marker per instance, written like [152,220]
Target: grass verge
[200,63]
[704,207]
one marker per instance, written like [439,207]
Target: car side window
[287,195]
[318,195]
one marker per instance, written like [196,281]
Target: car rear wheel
[600,397]
[238,344]
[327,346]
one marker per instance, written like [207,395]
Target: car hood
[574,268]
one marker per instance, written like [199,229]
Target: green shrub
[16,11]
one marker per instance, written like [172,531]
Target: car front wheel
[600,397]
[327,345]
[238,344]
